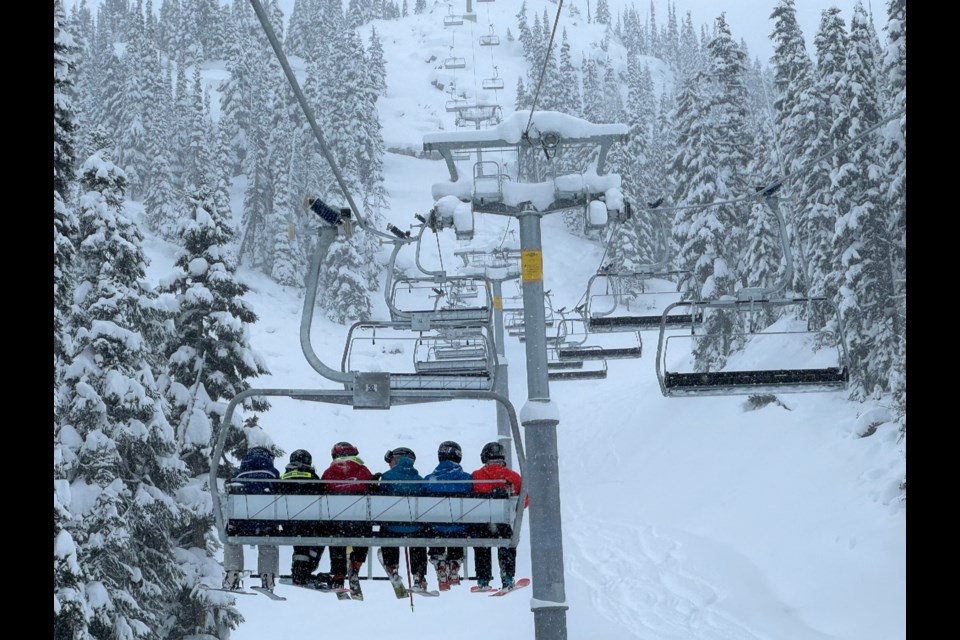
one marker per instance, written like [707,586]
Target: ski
[398,589]
[425,592]
[322,587]
[477,589]
[519,584]
[236,591]
[354,581]
[347,594]
[269,593]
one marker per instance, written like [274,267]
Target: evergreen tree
[569,80]
[64,219]
[419,7]
[131,152]
[553,94]
[115,446]
[818,198]
[867,297]
[761,263]
[653,34]
[613,99]
[198,154]
[209,362]
[593,97]
[637,170]
[728,105]
[376,67]
[796,112]
[237,95]
[526,38]
[524,101]
[344,292]
[602,15]
[894,187]
[71,611]
[688,50]
[298,30]
[703,233]
[670,43]
[64,124]
[167,24]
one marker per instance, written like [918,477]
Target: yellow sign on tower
[531,265]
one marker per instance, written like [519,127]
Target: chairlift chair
[456,300]
[634,302]
[805,359]
[452,21]
[412,358]
[303,512]
[492,83]
[574,342]
[454,63]
[559,369]
[458,104]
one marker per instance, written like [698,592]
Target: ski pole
[406,552]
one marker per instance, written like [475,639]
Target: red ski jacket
[347,469]
[496,471]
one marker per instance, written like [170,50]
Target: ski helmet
[301,456]
[343,450]
[449,450]
[399,452]
[492,451]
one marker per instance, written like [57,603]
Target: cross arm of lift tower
[547,129]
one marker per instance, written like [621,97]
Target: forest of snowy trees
[143,374]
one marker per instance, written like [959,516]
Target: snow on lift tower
[519,180]
[806,349]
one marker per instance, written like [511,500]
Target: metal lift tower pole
[540,418]
[501,384]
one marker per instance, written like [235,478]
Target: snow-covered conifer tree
[115,446]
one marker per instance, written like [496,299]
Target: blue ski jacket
[403,470]
[440,481]
[257,465]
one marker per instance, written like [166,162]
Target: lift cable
[543,69]
[308,112]
[772,186]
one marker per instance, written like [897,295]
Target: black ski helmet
[449,450]
[301,456]
[492,451]
[343,450]
[398,452]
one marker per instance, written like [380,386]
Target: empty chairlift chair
[490,40]
[769,348]
[635,302]
[494,83]
[441,359]
[575,342]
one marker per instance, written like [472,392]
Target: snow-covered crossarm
[510,131]
[559,142]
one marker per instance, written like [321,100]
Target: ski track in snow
[665,602]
